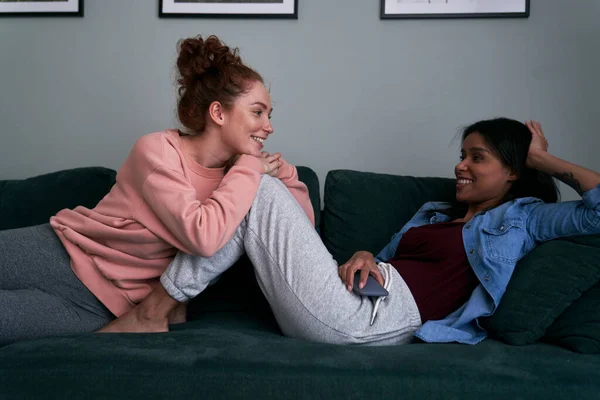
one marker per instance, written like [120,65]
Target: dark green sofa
[231,347]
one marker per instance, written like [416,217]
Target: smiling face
[482,179]
[246,124]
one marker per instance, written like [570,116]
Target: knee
[271,189]
[270,184]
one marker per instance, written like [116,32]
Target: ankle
[158,305]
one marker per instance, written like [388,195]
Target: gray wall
[350,90]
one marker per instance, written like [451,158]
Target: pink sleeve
[202,228]
[289,176]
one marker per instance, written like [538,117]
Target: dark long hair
[509,140]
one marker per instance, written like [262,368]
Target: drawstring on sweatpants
[386,270]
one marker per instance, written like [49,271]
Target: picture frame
[228,9]
[393,9]
[41,8]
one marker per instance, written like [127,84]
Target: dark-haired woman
[449,265]
[182,190]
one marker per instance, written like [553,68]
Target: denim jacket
[494,241]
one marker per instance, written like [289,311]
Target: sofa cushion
[233,356]
[362,210]
[33,201]
[310,179]
[578,327]
[543,285]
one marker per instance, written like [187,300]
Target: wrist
[251,162]
[536,159]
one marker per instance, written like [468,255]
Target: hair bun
[198,56]
[208,71]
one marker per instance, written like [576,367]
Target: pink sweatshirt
[162,202]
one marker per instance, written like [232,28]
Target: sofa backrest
[310,179]
[32,201]
[362,210]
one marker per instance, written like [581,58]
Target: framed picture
[44,8]
[228,8]
[454,9]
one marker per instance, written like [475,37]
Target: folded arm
[549,221]
[202,227]
[579,178]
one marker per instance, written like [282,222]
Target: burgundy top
[432,261]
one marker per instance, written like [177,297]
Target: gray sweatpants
[39,293]
[298,277]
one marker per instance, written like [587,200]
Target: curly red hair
[209,71]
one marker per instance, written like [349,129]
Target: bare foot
[132,321]
[151,315]
[179,314]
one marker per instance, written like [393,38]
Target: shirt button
[471,251]
[502,227]
[468,226]
[486,278]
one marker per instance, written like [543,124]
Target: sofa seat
[235,355]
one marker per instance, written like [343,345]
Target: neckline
[193,164]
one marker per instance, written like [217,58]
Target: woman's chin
[461,198]
[250,152]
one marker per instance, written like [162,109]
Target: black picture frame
[508,14]
[40,8]
[287,9]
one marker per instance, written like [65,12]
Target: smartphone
[371,288]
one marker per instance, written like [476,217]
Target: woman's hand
[271,163]
[538,145]
[364,262]
[579,178]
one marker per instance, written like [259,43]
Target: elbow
[209,248]
[589,222]
[594,223]
[205,250]
[207,253]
